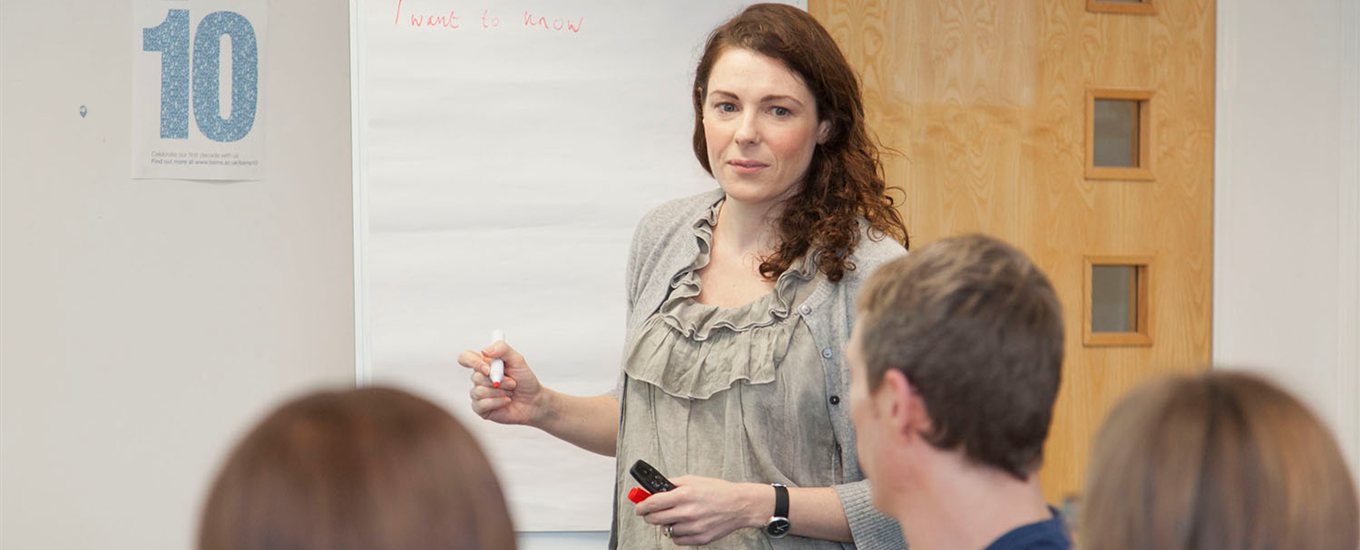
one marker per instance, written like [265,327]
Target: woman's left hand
[701,510]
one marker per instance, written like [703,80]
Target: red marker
[638,494]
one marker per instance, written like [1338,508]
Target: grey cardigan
[664,245]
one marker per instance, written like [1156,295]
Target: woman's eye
[780,111]
[726,107]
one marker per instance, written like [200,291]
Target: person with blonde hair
[1222,460]
[360,469]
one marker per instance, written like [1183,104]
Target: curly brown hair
[844,182]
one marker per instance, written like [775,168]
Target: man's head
[958,347]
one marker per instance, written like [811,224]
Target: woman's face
[761,125]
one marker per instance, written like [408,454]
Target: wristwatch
[779,525]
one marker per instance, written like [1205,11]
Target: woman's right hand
[519,400]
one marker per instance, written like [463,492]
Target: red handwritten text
[437,18]
[440,20]
[555,24]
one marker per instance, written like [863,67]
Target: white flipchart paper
[508,150]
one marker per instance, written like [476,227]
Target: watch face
[778,527]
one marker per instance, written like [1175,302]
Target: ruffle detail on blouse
[693,350]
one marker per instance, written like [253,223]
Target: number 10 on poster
[196,80]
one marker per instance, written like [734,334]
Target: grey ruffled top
[731,393]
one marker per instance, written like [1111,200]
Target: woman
[368,468]
[740,302]
[1223,460]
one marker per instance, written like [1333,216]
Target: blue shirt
[1049,534]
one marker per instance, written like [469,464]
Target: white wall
[1287,201]
[564,540]
[144,323]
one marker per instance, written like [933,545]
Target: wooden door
[988,103]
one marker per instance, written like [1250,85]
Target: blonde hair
[1222,460]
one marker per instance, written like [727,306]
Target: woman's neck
[748,229]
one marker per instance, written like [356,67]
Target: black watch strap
[781,500]
[779,525]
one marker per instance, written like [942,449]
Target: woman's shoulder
[874,249]
[675,213]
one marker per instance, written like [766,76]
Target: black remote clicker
[649,478]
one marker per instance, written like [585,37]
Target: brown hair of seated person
[1218,461]
[977,329]
[360,469]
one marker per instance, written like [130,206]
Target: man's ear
[823,131]
[901,405]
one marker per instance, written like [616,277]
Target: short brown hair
[977,329]
[844,183]
[1221,460]
[358,469]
